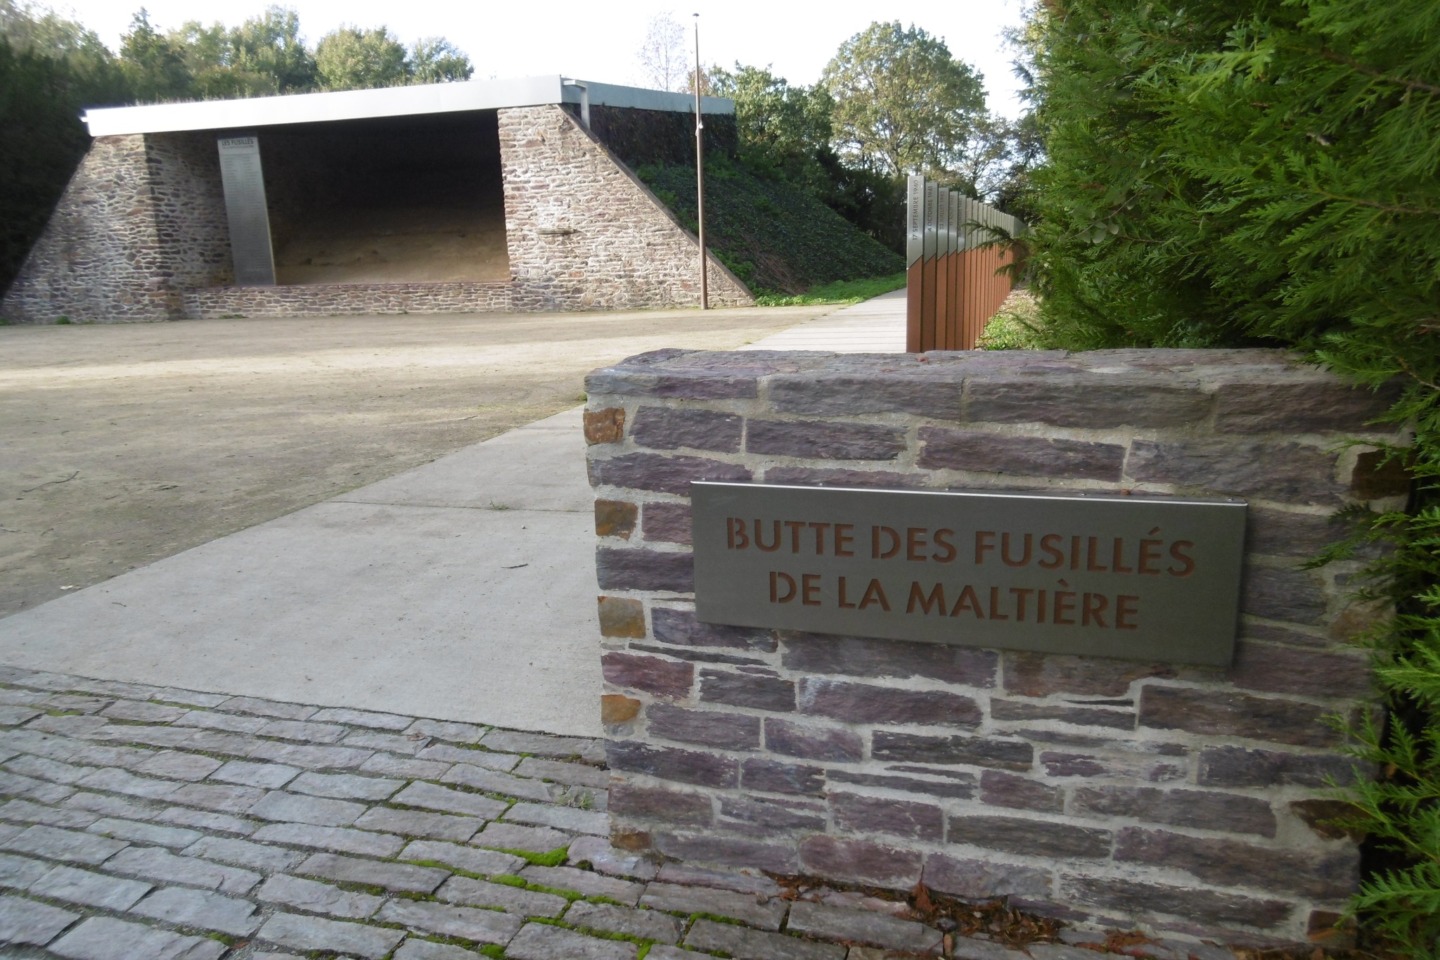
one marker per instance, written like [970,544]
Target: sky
[589,41]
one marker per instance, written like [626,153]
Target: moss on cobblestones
[442,865]
[644,943]
[598,934]
[552,859]
[714,917]
[510,880]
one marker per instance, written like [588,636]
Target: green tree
[987,160]
[350,58]
[153,63]
[209,60]
[437,60]
[91,75]
[50,69]
[783,130]
[270,47]
[1011,184]
[903,104]
[263,56]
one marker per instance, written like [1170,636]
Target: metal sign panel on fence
[243,181]
[915,220]
[1131,577]
[956,224]
[942,269]
[931,192]
[914,265]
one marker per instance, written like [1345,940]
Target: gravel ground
[123,444]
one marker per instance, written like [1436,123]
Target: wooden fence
[955,276]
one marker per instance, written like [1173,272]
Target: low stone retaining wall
[1184,799]
[347,298]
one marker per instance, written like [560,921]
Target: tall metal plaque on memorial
[245,209]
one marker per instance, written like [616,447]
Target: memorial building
[501,195]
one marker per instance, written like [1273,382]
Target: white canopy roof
[385,102]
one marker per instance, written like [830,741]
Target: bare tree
[665,55]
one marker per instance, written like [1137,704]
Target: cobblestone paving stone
[149,823]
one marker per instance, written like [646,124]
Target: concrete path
[875,326]
[462,590]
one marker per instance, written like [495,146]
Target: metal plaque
[915,222]
[931,192]
[942,222]
[244,184]
[957,225]
[1104,576]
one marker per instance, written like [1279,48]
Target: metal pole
[700,173]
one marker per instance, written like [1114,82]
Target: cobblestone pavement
[150,823]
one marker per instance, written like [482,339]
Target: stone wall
[189,203]
[351,299]
[584,233]
[1183,799]
[141,219]
[99,258]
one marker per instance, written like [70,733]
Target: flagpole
[700,173]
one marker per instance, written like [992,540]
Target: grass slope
[775,237]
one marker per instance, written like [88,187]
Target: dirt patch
[124,444]
[398,245]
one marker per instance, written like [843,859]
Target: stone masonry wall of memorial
[138,221]
[584,233]
[140,234]
[1178,798]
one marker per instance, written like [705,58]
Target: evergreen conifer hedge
[1267,172]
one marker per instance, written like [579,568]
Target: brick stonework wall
[99,257]
[1176,798]
[141,219]
[349,299]
[189,202]
[584,233]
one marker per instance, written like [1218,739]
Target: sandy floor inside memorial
[404,244]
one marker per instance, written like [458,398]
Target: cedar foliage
[1239,172]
